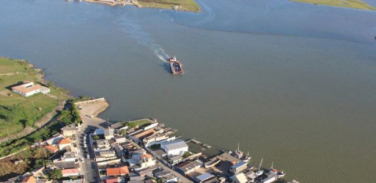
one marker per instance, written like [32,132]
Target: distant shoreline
[352,4]
[183,5]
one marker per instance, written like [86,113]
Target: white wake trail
[135,32]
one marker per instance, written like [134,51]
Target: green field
[139,123]
[356,4]
[16,111]
[182,5]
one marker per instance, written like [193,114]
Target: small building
[146,160]
[64,143]
[190,166]
[29,179]
[70,172]
[69,130]
[239,178]
[174,148]
[54,140]
[29,89]
[107,153]
[143,134]
[239,167]
[119,171]
[102,144]
[65,164]
[146,172]
[51,149]
[69,156]
[157,138]
[108,133]
[204,177]
[175,159]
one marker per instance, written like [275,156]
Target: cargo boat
[176,66]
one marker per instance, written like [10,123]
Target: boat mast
[260,163]
[238,146]
[272,165]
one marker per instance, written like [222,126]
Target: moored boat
[176,66]
[212,162]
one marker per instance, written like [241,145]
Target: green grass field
[17,111]
[356,4]
[140,122]
[183,5]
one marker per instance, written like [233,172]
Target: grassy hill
[356,4]
[181,5]
[16,111]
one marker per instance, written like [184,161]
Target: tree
[96,137]
[123,132]
[43,162]
[54,174]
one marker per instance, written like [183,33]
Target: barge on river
[176,66]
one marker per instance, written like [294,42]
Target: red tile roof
[65,141]
[117,171]
[51,149]
[112,180]
[29,179]
[70,171]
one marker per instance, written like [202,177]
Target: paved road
[88,166]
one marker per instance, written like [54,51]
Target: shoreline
[194,7]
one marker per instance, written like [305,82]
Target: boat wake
[135,32]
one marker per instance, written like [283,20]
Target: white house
[146,160]
[175,147]
[55,139]
[29,89]
[108,133]
[239,178]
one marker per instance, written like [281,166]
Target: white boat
[260,172]
[274,171]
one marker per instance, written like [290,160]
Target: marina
[262,77]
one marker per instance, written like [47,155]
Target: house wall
[175,152]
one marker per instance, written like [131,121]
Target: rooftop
[70,171]
[29,179]
[69,155]
[144,133]
[204,177]
[65,141]
[69,127]
[175,144]
[241,178]
[190,165]
[117,171]
[27,87]
[240,164]
[52,149]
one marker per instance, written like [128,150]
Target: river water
[292,83]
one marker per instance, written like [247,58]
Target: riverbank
[355,4]
[19,112]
